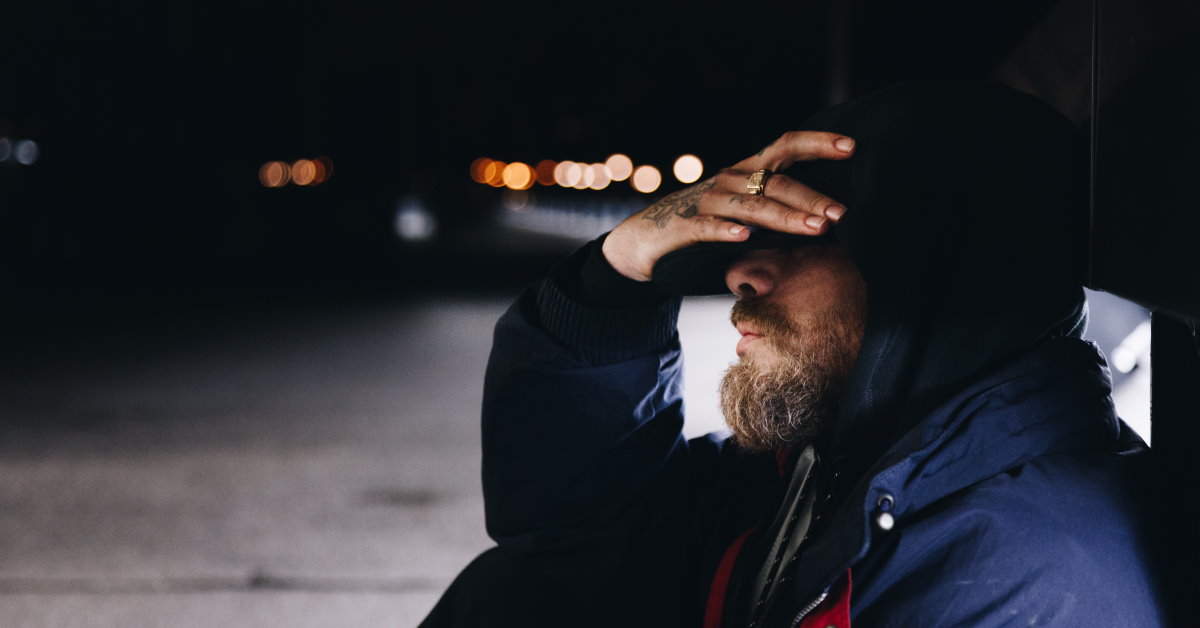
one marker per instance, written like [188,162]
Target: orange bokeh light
[477,169]
[304,172]
[518,176]
[545,171]
[493,173]
[324,166]
[274,174]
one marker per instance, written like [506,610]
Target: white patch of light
[414,222]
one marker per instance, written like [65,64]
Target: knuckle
[753,203]
[793,220]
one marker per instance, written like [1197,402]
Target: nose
[753,275]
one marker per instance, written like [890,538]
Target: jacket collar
[1053,399]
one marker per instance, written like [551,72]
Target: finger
[718,229]
[795,194]
[799,146]
[781,189]
[762,211]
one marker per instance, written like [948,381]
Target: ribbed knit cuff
[601,315]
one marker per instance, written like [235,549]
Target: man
[919,436]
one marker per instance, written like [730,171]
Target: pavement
[276,468]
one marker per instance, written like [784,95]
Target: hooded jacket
[977,474]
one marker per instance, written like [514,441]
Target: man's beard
[793,400]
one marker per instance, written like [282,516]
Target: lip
[748,337]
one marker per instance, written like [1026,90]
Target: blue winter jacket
[1020,501]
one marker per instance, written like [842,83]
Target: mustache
[769,319]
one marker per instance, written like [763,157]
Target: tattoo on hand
[684,203]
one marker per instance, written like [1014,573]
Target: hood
[967,218]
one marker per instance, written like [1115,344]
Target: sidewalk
[273,470]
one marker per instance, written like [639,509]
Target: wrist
[621,259]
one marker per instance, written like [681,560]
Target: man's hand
[718,209]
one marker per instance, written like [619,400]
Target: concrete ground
[282,466]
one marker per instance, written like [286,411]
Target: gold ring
[757,185]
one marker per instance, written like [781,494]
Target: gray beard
[769,409]
[795,400]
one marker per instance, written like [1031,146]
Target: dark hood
[967,218]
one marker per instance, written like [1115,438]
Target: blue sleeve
[573,434]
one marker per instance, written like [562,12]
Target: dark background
[152,120]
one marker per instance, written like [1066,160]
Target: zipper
[808,609]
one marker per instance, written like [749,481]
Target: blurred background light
[324,166]
[587,177]
[414,222]
[477,169]
[516,200]
[572,175]
[619,167]
[5,148]
[493,173]
[1133,349]
[646,179]
[27,152]
[561,173]
[600,176]
[688,168]
[304,172]
[545,171]
[518,176]
[274,174]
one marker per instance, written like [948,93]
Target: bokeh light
[562,173]
[26,152]
[324,167]
[477,169]
[304,172]
[646,179]
[274,174]
[493,173]
[573,175]
[518,176]
[413,221]
[516,200]
[588,176]
[545,171]
[688,168]
[619,167]
[5,148]
[600,177]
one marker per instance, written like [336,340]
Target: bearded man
[919,435]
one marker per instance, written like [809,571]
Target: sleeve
[581,404]
[583,455]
